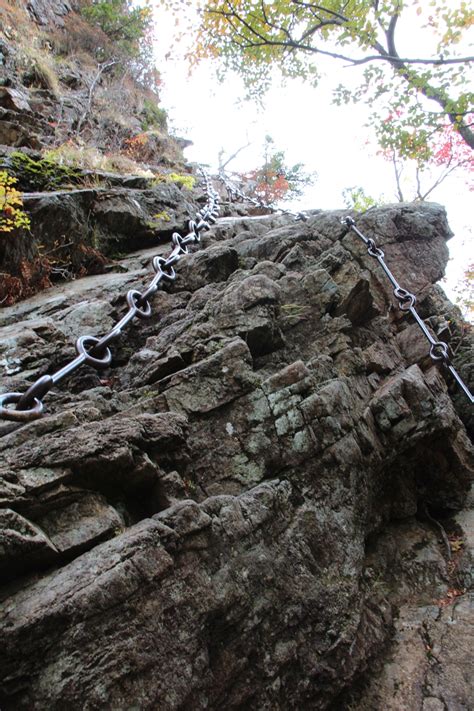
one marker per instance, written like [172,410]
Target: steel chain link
[95,351]
[439,350]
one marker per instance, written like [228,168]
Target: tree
[355,198]
[418,177]
[253,36]
[445,152]
[275,181]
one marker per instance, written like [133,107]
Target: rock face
[262,503]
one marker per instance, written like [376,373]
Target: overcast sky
[331,140]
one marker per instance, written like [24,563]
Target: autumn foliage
[12,215]
[429,162]
[275,181]
[449,150]
[425,73]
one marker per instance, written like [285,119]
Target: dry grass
[13,14]
[31,44]
[118,163]
[81,38]
[45,74]
[88,158]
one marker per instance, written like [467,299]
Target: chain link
[95,352]
[439,350]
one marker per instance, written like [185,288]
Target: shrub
[136,147]
[275,180]
[12,215]
[153,116]
[82,39]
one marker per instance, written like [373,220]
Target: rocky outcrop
[47,12]
[261,504]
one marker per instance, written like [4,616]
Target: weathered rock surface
[254,506]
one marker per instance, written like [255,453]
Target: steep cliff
[264,501]
[233,513]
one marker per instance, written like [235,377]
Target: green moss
[43,174]
[185,181]
[163,216]
[158,219]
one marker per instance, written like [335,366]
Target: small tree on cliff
[252,37]
[275,181]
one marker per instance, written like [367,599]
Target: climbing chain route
[95,351]
[439,350]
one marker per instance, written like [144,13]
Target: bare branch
[102,68]
[398,173]
[231,158]
[442,177]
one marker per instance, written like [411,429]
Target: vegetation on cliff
[80,115]
[12,215]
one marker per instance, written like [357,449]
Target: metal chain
[95,351]
[439,350]
[234,192]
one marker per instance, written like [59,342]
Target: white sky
[302,121]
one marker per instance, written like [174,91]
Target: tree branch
[409,60]
[290,43]
[430,92]
[234,155]
[319,8]
[398,174]
[102,68]
[251,38]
